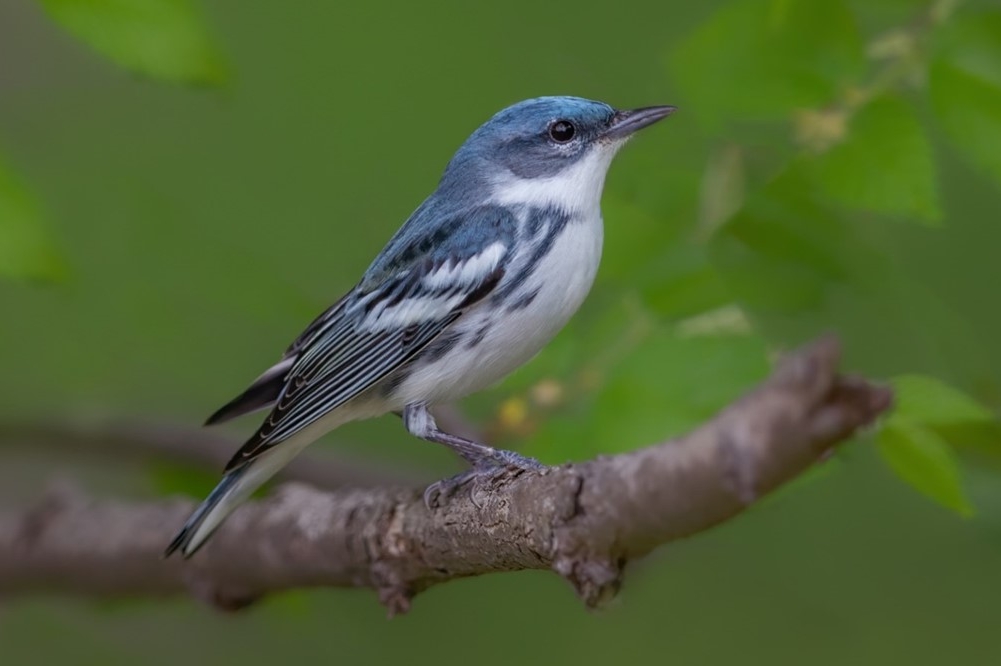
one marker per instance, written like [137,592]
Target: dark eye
[562,131]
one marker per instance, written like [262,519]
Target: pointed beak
[624,123]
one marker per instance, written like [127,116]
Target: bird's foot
[492,467]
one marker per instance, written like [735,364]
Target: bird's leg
[486,461]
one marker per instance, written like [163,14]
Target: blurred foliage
[25,248]
[883,164]
[780,227]
[834,166]
[163,39]
[913,439]
[964,82]
[933,403]
[922,458]
[857,149]
[774,55]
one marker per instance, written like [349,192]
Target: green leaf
[667,385]
[965,88]
[887,12]
[163,39]
[671,271]
[683,283]
[923,459]
[762,59]
[26,250]
[928,401]
[885,165]
[783,248]
[638,239]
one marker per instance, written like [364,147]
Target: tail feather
[185,539]
[236,487]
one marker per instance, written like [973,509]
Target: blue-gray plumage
[482,275]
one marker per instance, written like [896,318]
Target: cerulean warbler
[484,273]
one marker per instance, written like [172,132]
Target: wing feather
[265,390]
[436,266]
[354,355]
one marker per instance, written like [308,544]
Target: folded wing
[377,328]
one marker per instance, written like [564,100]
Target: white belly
[508,338]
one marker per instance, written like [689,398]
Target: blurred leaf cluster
[25,248]
[823,144]
[165,40]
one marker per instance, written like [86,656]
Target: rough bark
[582,520]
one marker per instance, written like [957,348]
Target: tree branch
[584,520]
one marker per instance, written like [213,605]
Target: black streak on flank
[395,380]
[557,221]
[524,301]
[481,333]
[444,344]
[536,218]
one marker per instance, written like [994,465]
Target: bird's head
[552,142]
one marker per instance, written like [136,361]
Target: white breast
[496,340]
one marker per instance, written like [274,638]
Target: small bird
[476,282]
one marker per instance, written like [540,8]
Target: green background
[202,228]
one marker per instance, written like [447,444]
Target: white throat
[576,189]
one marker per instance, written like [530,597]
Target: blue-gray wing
[265,390]
[381,325]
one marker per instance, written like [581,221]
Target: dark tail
[236,486]
[199,528]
